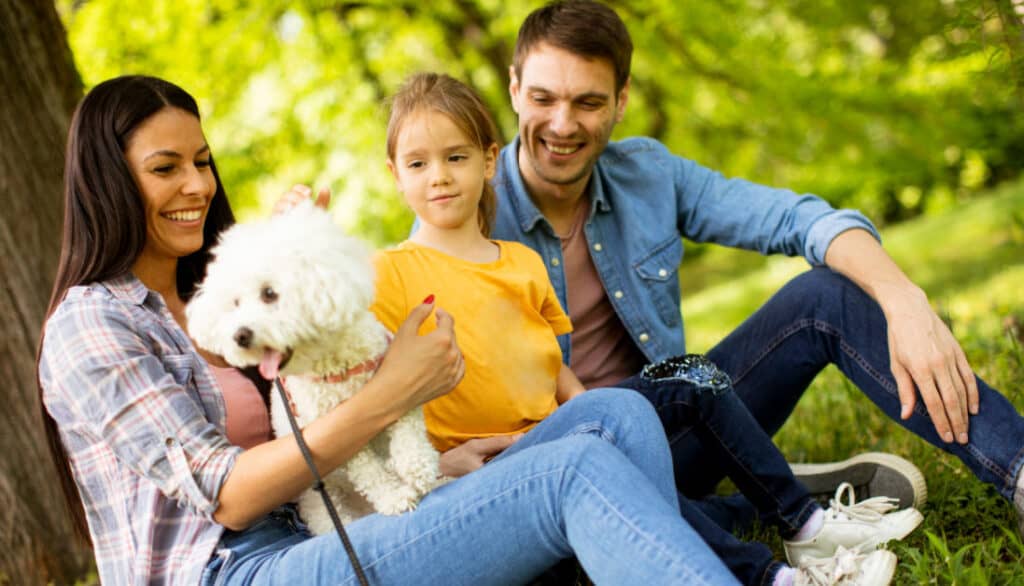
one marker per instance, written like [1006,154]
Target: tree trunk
[39,87]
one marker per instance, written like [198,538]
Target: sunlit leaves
[861,102]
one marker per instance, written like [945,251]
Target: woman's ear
[490,161]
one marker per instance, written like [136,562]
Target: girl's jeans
[691,391]
[594,480]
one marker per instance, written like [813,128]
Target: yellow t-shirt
[506,318]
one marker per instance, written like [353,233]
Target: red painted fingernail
[429,299]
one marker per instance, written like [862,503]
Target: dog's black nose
[243,337]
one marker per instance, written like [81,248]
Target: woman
[136,421]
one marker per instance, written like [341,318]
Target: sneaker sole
[871,474]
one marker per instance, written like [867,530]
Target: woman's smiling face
[170,161]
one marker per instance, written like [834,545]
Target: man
[607,218]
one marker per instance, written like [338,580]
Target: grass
[971,263]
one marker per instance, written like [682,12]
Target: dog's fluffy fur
[292,293]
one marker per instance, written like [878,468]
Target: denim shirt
[643,199]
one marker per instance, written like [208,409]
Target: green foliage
[896,107]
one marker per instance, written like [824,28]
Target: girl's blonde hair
[449,96]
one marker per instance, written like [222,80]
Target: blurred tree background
[896,107]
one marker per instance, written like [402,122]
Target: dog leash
[318,485]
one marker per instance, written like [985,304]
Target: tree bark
[39,87]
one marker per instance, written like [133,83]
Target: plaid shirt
[142,421]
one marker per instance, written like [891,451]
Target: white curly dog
[291,294]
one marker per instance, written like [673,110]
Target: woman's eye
[205,163]
[268,295]
[164,169]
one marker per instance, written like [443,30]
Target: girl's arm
[415,370]
[567,385]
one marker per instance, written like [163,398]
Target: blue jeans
[822,318]
[600,487]
[729,435]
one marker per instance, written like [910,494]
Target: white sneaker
[862,526]
[848,568]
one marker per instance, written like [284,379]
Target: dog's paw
[397,502]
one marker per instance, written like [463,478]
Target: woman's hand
[418,368]
[473,454]
[298,194]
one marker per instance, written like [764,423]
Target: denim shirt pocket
[659,273]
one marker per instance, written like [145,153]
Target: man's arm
[922,350]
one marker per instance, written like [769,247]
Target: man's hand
[923,352]
[473,454]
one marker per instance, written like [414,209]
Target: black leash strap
[318,485]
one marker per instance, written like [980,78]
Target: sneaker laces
[838,569]
[869,510]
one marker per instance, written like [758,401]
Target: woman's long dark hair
[104,220]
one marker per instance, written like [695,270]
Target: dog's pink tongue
[271,363]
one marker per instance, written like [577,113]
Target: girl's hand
[418,368]
[298,194]
[473,454]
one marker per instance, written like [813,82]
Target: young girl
[136,420]
[441,148]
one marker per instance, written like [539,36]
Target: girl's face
[170,161]
[440,170]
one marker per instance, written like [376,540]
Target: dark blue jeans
[730,436]
[822,318]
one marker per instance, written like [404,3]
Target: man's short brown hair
[583,27]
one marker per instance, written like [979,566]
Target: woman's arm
[415,370]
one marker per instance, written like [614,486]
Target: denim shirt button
[644,337]
[555,262]
[598,247]
[618,294]
[662,273]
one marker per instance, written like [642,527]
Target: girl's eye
[415,164]
[457,157]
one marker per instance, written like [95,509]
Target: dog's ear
[335,277]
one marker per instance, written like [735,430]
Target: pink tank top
[248,423]
[602,351]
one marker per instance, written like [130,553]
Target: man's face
[567,109]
